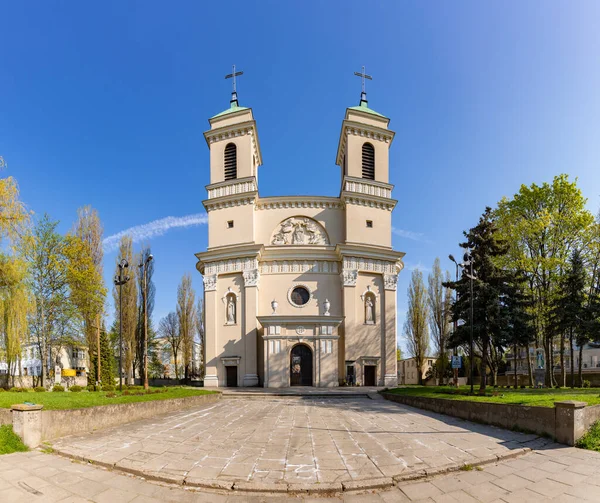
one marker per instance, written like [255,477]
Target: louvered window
[230,162]
[368,161]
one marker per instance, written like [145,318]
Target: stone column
[349,350]
[389,362]
[250,331]
[27,423]
[211,375]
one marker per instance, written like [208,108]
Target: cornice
[282,202]
[232,187]
[382,203]
[234,131]
[230,255]
[300,252]
[282,319]
[230,201]
[366,187]
[367,131]
[370,252]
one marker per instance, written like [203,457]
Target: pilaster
[389,362]
[211,376]
[250,332]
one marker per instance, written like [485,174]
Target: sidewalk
[551,473]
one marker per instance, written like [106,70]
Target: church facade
[300,290]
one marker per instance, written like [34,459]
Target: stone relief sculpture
[299,231]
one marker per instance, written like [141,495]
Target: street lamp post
[468,261]
[451,257]
[144,267]
[120,280]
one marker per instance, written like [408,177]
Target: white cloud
[153,229]
[415,236]
[419,266]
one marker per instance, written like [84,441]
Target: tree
[169,329]
[200,332]
[107,357]
[440,302]
[14,217]
[490,286]
[186,314]
[130,306]
[398,353]
[142,258]
[86,281]
[416,329]
[15,306]
[51,322]
[543,224]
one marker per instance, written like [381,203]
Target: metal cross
[233,75]
[363,76]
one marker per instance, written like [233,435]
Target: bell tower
[363,155]
[234,160]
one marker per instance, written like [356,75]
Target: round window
[300,296]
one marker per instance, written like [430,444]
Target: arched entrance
[301,366]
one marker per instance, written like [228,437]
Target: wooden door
[370,375]
[232,380]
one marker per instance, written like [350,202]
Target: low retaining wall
[53,424]
[33,381]
[5,416]
[566,422]
[60,423]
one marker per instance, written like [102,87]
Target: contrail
[152,229]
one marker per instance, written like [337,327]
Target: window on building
[230,224]
[370,224]
[430,363]
[368,161]
[230,163]
[300,296]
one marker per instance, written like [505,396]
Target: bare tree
[130,305]
[416,329]
[439,299]
[200,323]
[186,313]
[168,328]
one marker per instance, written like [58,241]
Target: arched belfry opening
[230,161]
[368,161]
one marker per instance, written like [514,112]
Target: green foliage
[17,389]
[91,387]
[75,389]
[416,328]
[585,383]
[107,363]
[108,387]
[58,387]
[591,440]
[440,368]
[10,441]
[39,389]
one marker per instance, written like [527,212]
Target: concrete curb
[283,487]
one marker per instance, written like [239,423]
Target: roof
[234,108]
[364,108]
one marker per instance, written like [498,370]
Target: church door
[231,376]
[370,375]
[301,366]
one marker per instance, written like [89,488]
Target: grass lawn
[9,441]
[69,400]
[591,440]
[534,397]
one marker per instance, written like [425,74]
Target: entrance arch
[301,366]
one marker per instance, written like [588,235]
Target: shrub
[39,389]
[126,393]
[75,389]
[2,390]
[135,388]
[586,383]
[108,387]
[58,387]
[90,387]
[16,389]
[111,395]
[522,386]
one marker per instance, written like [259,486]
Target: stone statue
[230,309]
[298,235]
[369,318]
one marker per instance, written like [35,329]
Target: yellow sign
[69,372]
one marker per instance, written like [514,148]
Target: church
[300,290]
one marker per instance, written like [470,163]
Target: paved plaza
[550,473]
[280,443]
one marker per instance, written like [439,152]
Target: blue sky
[105,104]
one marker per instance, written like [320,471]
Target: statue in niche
[230,309]
[369,311]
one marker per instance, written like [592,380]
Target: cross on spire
[363,76]
[233,75]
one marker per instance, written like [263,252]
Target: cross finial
[233,75]
[363,76]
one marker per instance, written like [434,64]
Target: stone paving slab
[289,445]
[35,476]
